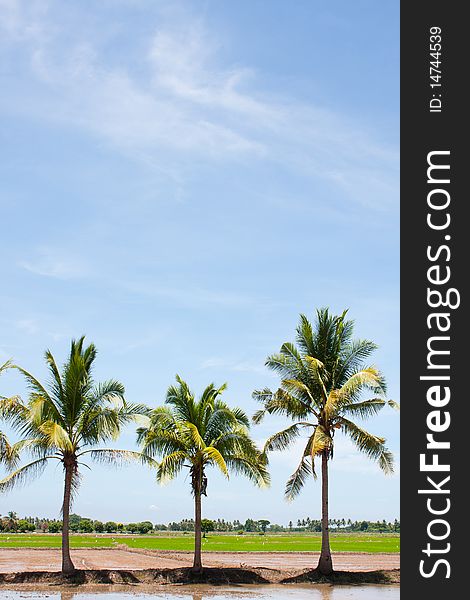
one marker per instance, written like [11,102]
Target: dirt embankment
[27,566]
[210,575]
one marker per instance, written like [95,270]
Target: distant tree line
[346,525]
[78,524]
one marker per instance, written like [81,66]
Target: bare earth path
[27,559]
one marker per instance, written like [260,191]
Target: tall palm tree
[197,434]
[322,380]
[65,420]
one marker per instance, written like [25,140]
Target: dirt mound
[184,575]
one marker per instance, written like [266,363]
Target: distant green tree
[98,526]
[250,526]
[54,526]
[85,526]
[263,523]
[24,525]
[206,526]
[144,527]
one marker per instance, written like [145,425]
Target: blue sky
[179,181]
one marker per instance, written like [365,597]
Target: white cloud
[30,326]
[49,262]
[233,365]
[22,21]
[184,104]
[194,297]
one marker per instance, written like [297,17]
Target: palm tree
[65,421]
[323,377]
[197,434]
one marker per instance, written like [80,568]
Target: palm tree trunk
[67,564]
[325,564]
[197,564]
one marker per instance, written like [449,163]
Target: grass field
[213,543]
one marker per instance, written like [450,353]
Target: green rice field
[213,543]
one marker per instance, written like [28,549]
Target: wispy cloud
[193,296]
[52,262]
[188,105]
[29,326]
[233,365]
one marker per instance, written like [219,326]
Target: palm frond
[300,390]
[283,403]
[9,453]
[283,439]
[224,419]
[297,480]
[56,382]
[158,442]
[258,416]
[288,362]
[370,444]
[365,409]
[8,364]
[170,466]
[263,395]
[320,442]
[305,336]
[352,358]
[194,435]
[255,471]
[14,411]
[118,458]
[55,436]
[368,378]
[215,457]
[110,391]
[24,474]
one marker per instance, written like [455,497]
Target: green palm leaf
[370,444]
[24,474]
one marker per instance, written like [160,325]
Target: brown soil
[26,566]
[46,559]
[210,575]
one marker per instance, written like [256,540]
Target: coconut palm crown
[65,421]
[323,377]
[198,434]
